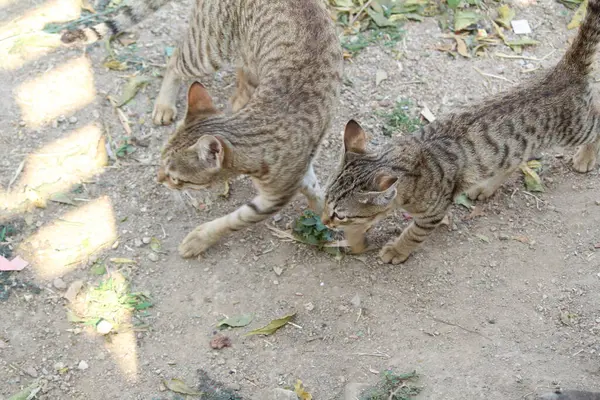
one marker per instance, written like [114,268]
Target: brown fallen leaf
[477,212]
[522,239]
[461,47]
[219,342]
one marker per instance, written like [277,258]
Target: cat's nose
[161,176]
[325,219]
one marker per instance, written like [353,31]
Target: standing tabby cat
[289,73]
[473,151]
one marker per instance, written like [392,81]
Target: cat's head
[192,160]
[362,190]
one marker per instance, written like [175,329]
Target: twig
[376,354]
[415,82]
[577,353]
[537,199]
[295,325]
[359,314]
[16,175]
[163,230]
[122,117]
[492,75]
[363,8]
[461,327]
[517,57]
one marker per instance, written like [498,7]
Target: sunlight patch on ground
[57,248]
[61,91]
[123,349]
[56,168]
[18,51]
[36,19]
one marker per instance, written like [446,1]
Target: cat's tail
[581,54]
[133,12]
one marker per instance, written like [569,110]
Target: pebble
[356,301]
[58,366]
[146,239]
[309,306]
[32,372]
[73,120]
[22,123]
[153,257]
[503,236]
[61,118]
[59,284]
[221,361]
[82,365]
[277,217]
[104,327]
[138,242]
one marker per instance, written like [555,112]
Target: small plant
[310,229]
[388,37]
[5,230]
[112,301]
[399,120]
[393,387]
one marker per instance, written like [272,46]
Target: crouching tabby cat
[289,72]
[473,151]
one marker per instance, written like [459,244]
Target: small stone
[153,257]
[491,321]
[58,366]
[309,306]
[503,236]
[32,372]
[104,327]
[82,365]
[278,271]
[73,291]
[221,361]
[96,114]
[55,124]
[62,118]
[236,387]
[22,123]
[73,120]
[146,239]
[277,217]
[101,356]
[138,242]
[59,284]
[598,202]
[356,301]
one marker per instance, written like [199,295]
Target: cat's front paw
[163,114]
[585,158]
[391,255]
[197,242]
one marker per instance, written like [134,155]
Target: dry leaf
[73,291]
[273,326]
[62,198]
[533,183]
[122,261]
[505,16]
[301,392]
[427,114]
[219,342]
[380,76]
[461,47]
[179,386]
[131,88]
[578,16]
[477,212]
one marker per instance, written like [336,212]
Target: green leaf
[309,221]
[505,15]
[179,386]
[28,393]
[131,88]
[236,321]
[98,269]
[524,41]
[62,198]
[533,183]
[578,16]
[155,245]
[380,20]
[483,238]
[463,200]
[144,305]
[273,326]
[464,19]
[453,3]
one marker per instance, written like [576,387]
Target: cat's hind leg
[312,191]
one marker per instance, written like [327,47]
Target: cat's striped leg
[400,249]
[165,109]
[312,190]
[207,234]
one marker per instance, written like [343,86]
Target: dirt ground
[501,306]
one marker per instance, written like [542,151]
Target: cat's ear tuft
[199,100]
[210,150]
[355,138]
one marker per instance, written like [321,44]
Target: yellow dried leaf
[461,47]
[578,16]
[301,392]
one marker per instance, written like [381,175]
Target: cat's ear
[198,99]
[355,138]
[210,150]
[385,193]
